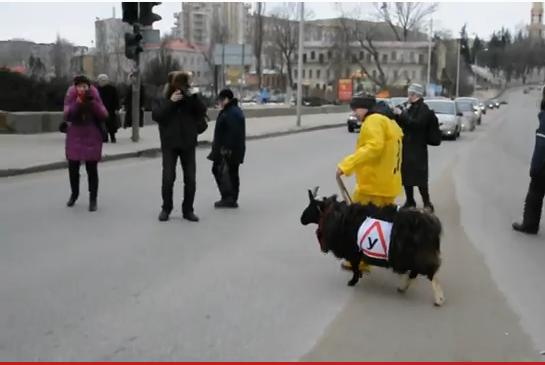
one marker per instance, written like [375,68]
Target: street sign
[231,54]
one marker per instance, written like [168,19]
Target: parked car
[353,123]
[483,107]
[469,120]
[450,119]
[397,101]
[496,103]
[476,108]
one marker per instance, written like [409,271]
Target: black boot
[72,200]
[532,214]
[163,216]
[92,204]
[190,216]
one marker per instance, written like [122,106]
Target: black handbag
[63,127]
[433,133]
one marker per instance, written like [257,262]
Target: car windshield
[465,106]
[441,107]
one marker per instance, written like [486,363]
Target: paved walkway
[21,154]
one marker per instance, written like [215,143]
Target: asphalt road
[251,284]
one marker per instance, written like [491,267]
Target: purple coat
[83,137]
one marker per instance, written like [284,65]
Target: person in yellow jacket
[376,161]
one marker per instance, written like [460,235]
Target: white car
[476,107]
[470,118]
[450,119]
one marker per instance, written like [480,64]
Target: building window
[294,74]
[394,56]
[312,55]
[369,57]
[304,74]
[318,73]
[385,58]
[411,57]
[361,55]
[327,74]
[310,74]
[354,58]
[421,59]
[304,58]
[328,55]
[317,86]
[321,58]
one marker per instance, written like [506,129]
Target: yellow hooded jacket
[377,159]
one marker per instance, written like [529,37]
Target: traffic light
[130,12]
[133,45]
[147,17]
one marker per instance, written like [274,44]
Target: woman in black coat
[534,198]
[414,166]
[110,99]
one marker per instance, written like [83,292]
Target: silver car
[476,107]
[469,120]
[450,119]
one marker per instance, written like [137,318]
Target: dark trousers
[534,202]
[228,191]
[424,192]
[92,177]
[189,167]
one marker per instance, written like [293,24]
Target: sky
[74,21]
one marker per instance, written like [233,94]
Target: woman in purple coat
[84,113]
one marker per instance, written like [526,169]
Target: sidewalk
[24,154]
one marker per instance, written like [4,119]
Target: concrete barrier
[43,122]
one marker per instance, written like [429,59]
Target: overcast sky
[41,22]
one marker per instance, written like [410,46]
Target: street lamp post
[458,70]
[428,81]
[300,63]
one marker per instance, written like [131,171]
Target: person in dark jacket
[414,166]
[84,113]
[110,99]
[534,198]
[178,113]
[228,149]
[127,103]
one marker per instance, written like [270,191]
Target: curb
[153,152]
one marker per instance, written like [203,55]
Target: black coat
[178,121]
[537,168]
[230,133]
[110,99]
[414,122]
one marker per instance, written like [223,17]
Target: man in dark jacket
[534,199]
[178,114]
[228,149]
[108,94]
[414,166]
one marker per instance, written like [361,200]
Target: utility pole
[300,63]
[428,83]
[458,70]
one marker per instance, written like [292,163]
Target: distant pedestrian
[181,117]
[228,149]
[85,114]
[127,103]
[536,191]
[415,120]
[110,99]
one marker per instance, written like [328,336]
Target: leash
[344,191]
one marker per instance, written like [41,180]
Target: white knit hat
[417,89]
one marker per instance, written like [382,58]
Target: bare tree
[62,49]
[284,35]
[258,40]
[404,18]
[158,68]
